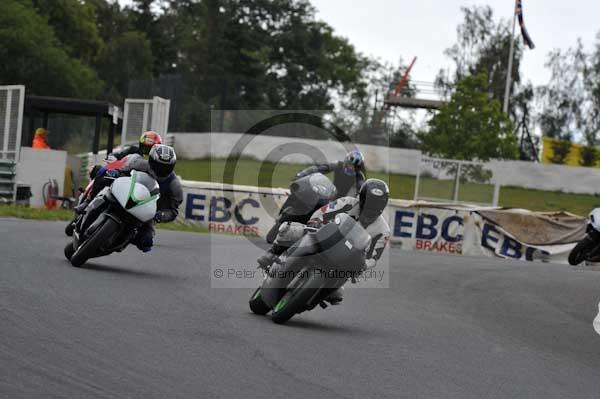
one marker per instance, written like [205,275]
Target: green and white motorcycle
[113,217]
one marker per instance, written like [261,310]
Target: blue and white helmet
[354,158]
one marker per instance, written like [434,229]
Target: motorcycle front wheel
[581,250]
[295,300]
[69,250]
[90,247]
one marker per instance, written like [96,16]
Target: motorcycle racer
[160,166]
[147,140]
[367,209]
[348,175]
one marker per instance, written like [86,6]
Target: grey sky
[389,29]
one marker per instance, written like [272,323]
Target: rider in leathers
[147,140]
[348,175]
[367,209]
[160,166]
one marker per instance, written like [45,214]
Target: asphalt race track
[150,326]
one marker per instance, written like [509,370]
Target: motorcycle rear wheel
[257,305]
[88,249]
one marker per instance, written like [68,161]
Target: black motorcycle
[113,218]
[307,194]
[319,263]
[588,249]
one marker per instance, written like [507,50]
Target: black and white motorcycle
[588,249]
[322,261]
[307,194]
[113,217]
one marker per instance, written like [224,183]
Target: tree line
[226,54]
[276,54]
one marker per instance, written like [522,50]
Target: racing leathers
[130,150]
[171,194]
[378,230]
[291,232]
[346,178]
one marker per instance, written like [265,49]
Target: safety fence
[12,100]
[530,175]
[140,115]
[415,226]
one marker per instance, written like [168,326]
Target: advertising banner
[415,226]
[238,210]
[474,231]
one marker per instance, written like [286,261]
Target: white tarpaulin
[427,227]
[495,232]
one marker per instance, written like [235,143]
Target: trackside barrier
[12,100]
[140,115]
[415,226]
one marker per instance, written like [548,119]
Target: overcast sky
[390,29]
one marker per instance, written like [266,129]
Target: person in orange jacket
[39,139]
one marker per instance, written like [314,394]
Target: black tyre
[91,246]
[294,301]
[69,250]
[581,250]
[257,305]
[69,229]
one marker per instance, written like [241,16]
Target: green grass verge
[23,212]
[266,174]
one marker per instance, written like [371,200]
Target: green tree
[471,126]
[111,20]
[127,57]
[74,25]
[563,99]
[32,55]
[482,45]
[589,152]
[561,149]
[570,101]
[363,113]
[259,54]
[158,28]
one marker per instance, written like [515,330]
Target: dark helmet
[162,160]
[373,199]
[354,158]
[148,140]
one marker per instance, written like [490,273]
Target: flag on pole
[526,37]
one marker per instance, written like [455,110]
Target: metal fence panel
[455,181]
[12,99]
[141,115]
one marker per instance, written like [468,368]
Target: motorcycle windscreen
[343,242]
[137,194]
[311,192]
